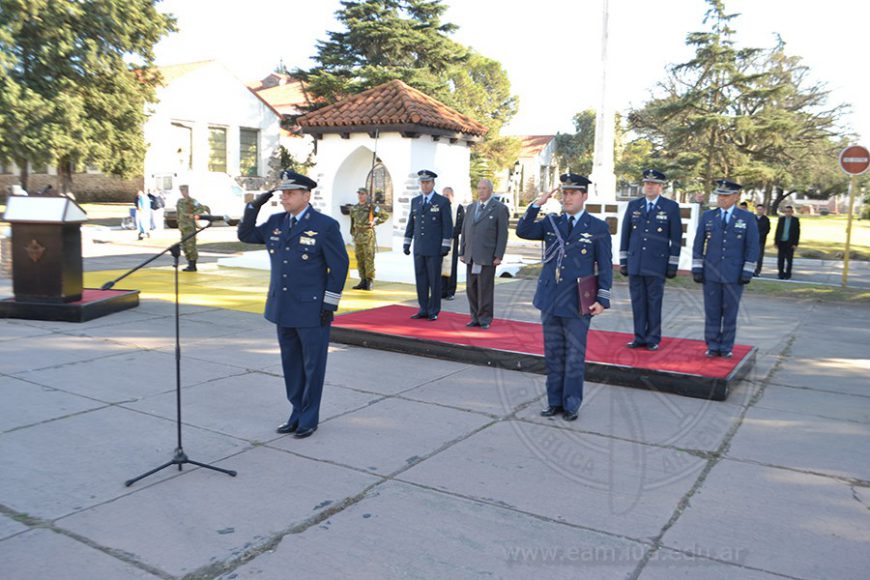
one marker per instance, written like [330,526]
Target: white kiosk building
[379,139]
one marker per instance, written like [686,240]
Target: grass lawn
[773,288]
[824,237]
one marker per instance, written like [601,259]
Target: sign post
[854,160]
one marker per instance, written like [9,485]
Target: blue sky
[550,48]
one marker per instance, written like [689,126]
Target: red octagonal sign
[855,160]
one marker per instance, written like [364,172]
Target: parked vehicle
[218,191]
[508,200]
[552,205]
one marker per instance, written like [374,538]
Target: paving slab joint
[715,457]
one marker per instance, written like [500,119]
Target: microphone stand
[180,458]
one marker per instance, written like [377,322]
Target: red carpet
[676,355]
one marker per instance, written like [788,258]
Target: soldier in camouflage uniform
[364,216]
[187,210]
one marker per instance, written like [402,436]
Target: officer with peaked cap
[575,244]
[430,228]
[723,259]
[649,252]
[309,268]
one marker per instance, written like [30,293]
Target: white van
[218,191]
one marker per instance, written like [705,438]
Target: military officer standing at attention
[309,267]
[187,210]
[724,257]
[649,252]
[364,217]
[575,244]
[430,228]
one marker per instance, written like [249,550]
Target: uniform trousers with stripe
[303,358]
[721,305]
[565,355]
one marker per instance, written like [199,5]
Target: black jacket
[794,232]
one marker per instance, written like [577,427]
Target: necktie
[292,223]
[649,208]
[571,223]
[724,219]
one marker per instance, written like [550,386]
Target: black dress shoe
[472,323]
[433,318]
[485,325]
[728,354]
[711,353]
[550,411]
[634,344]
[570,415]
[303,433]
[287,427]
[652,347]
[418,316]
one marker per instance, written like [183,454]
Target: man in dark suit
[484,239]
[575,244]
[649,252]
[724,255]
[309,268]
[449,264]
[787,238]
[430,228]
[763,231]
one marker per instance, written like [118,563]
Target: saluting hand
[542,199]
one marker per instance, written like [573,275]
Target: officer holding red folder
[576,245]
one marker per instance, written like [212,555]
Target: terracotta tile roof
[531,145]
[288,99]
[176,71]
[392,103]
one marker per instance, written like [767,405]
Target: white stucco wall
[209,96]
[343,164]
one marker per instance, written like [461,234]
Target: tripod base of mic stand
[179,459]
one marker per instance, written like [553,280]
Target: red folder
[587,288]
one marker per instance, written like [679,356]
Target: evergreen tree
[384,40]
[74,81]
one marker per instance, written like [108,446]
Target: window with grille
[249,153]
[217,149]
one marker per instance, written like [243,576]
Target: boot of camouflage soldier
[191,266]
[370,284]
[360,286]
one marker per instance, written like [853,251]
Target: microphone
[214,218]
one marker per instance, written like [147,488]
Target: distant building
[535,170]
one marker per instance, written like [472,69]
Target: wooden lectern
[46,248]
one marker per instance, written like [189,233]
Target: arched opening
[380,184]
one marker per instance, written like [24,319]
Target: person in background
[787,238]
[364,217]
[763,231]
[449,264]
[143,214]
[187,210]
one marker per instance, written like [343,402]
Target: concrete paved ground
[429,469]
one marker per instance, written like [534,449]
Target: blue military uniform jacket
[431,229]
[729,254]
[587,252]
[650,243]
[309,264]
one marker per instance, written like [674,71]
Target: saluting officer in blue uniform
[309,268]
[649,252]
[430,227]
[723,259]
[575,244]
